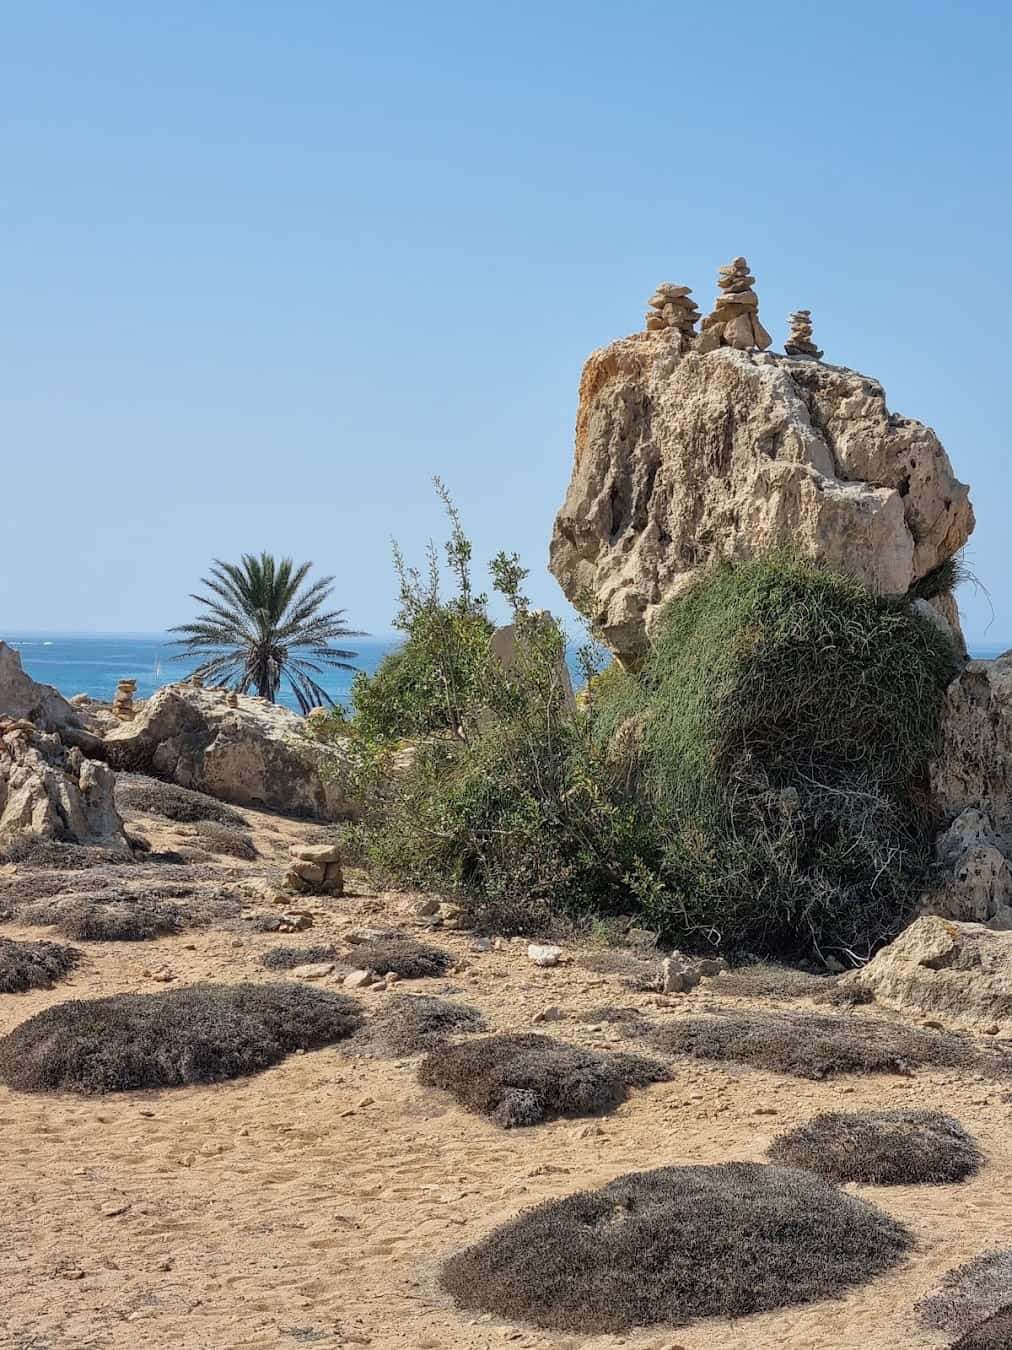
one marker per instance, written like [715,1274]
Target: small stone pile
[670,307]
[315,869]
[735,318]
[799,341]
[232,699]
[123,700]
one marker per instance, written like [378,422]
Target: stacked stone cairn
[123,700]
[670,307]
[315,869]
[735,318]
[799,341]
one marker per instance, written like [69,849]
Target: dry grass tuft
[412,1023]
[810,1045]
[524,1079]
[673,1245]
[33,965]
[882,1148]
[287,958]
[137,793]
[198,1034]
[403,957]
[970,1294]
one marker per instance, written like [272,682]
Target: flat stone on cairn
[123,700]
[670,307]
[735,318]
[799,341]
[315,869]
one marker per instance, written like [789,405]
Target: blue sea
[85,663]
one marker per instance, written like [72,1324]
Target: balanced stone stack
[670,307]
[232,699]
[735,318]
[315,869]
[123,700]
[799,342]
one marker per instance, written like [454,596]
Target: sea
[93,663]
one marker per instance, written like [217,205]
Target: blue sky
[268,267]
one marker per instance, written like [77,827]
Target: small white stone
[544,955]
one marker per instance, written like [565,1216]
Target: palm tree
[260,629]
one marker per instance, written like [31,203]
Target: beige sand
[311,1204]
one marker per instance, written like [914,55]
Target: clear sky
[269,266]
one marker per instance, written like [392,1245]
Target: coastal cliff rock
[236,748]
[51,790]
[682,459]
[21,697]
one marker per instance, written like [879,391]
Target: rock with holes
[963,970]
[686,458]
[51,790]
[973,769]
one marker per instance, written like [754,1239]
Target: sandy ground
[312,1204]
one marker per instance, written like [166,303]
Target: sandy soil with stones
[311,1205]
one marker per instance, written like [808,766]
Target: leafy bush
[199,1034]
[881,1148]
[523,1079]
[778,737]
[676,1244]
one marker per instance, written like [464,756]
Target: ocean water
[78,663]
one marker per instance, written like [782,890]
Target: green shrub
[778,736]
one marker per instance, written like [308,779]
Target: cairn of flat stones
[799,341]
[315,869]
[123,700]
[735,318]
[671,307]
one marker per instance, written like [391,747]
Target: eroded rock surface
[51,790]
[683,459]
[238,749]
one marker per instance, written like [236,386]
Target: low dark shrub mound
[881,1148]
[626,1021]
[225,839]
[994,1334]
[765,980]
[673,1245]
[402,956]
[634,970]
[104,917]
[198,1034]
[970,1295]
[152,797]
[412,1023]
[524,1079]
[818,1046]
[32,851]
[33,965]
[287,958]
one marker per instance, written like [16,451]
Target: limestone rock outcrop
[974,765]
[247,751]
[937,966]
[51,790]
[23,697]
[683,458]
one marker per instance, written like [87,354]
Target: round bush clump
[287,958]
[994,1334]
[818,1046]
[105,917]
[411,1023]
[403,957]
[881,1148]
[524,1079]
[971,1295]
[203,1033]
[33,851]
[152,797]
[226,840]
[673,1245]
[33,965]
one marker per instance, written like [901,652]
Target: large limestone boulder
[21,697]
[50,790]
[683,459]
[963,970]
[240,749]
